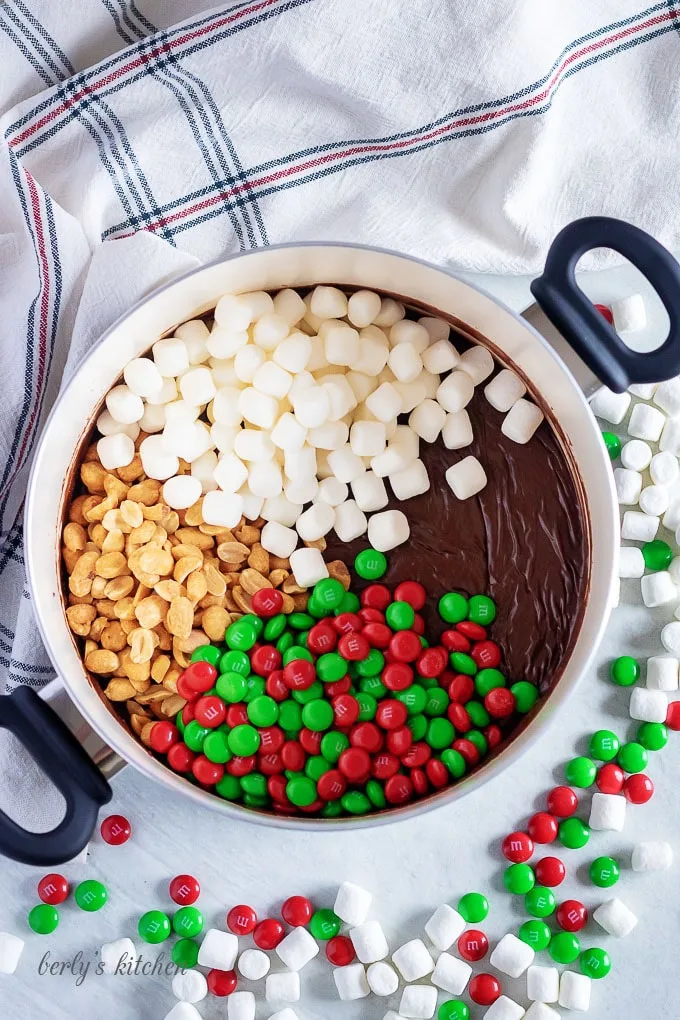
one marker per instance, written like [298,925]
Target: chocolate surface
[521,540]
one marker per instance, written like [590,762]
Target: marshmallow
[521,421]
[437,329]
[664,468]
[616,919]
[362,308]
[407,333]
[418,1001]
[504,1008]
[11,948]
[575,991]
[269,331]
[369,942]
[658,590]
[401,451]
[352,904]
[197,386]
[670,437]
[312,406]
[607,811]
[253,964]
[308,567]
[112,954]
[512,956]
[543,983]
[369,492]
[629,314]
[385,402]
[382,979]
[631,562]
[279,540]
[187,439]
[373,353]
[170,357]
[225,406]
[667,397]
[225,343]
[367,438]
[652,856]
[142,377]
[218,950]
[504,390]
[609,405]
[391,311]
[258,408]
[289,306]
[181,492]
[350,521]
[654,500]
[329,436]
[241,1006]
[639,527]
[388,529]
[252,505]
[283,987]
[410,481]
[316,522]
[413,960]
[455,392]
[391,1015]
[351,982]
[457,431]
[222,508]
[628,485]
[646,423]
[466,478]
[281,510]
[361,384]
[298,947]
[203,468]
[345,464]
[115,451]
[183,1011]
[648,705]
[405,361]
[300,465]
[636,455]
[273,380]
[194,334]
[342,343]
[247,361]
[451,974]
[440,357]
[674,569]
[253,444]
[645,391]
[265,479]
[109,427]
[301,490]
[340,396]
[670,638]
[189,986]
[328,303]
[539,1011]
[124,406]
[477,363]
[662,673]
[284,1014]
[234,311]
[427,420]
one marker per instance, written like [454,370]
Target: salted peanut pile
[147,584]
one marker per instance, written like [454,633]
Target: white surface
[410,868]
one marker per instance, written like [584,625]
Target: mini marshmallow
[351,982]
[391,311]
[115,451]
[652,855]
[670,437]
[407,333]
[405,362]
[188,440]
[183,1011]
[342,344]
[345,464]
[273,380]
[189,986]
[388,529]
[671,519]
[112,955]
[437,329]
[332,491]
[455,392]
[667,397]
[427,420]
[629,314]
[418,1001]
[11,948]
[413,393]
[636,455]
[153,418]
[218,950]
[646,423]
[648,705]
[247,361]
[670,638]
[401,451]
[283,987]
[298,947]
[645,391]
[293,353]
[607,811]
[504,1008]
[330,436]
[236,311]
[512,956]
[664,469]
[662,673]
[225,343]
[543,983]
[340,394]
[639,527]
[194,334]
[674,569]
[300,465]
[575,991]
[440,357]
[350,521]
[225,406]
[504,390]
[328,303]
[616,919]
[258,408]
[540,1011]
[316,522]
[109,427]
[654,500]
[628,485]
[444,927]
[181,492]
[284,1014]
[241,1006]
[369,941]
[478,363]
[171,357]
[197,385]
[609,405]
[413,960]
[301,490]
[466,478]
[269,331]
[289,305]
[142,377]
[265,479]
[352,904]
[224,372]
[278,540]
[253,964]
[124,406]
[410,481]
[281,510]
[658,590]
[521,421]
[367,438]
[373,353]
[362,385]
[631,562]
[369,492]
[384,403]
[362,308]
[253,444]
[382,979]
[252,505]
[222,508]
[308,566]
[457,430]
[451,974]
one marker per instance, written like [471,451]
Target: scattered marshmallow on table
[646,422]
[658,589]
[352,903]
[351,982]
[648,705]
[110,954]
[466,478]
[11,948]
[521,421]
[451,974]
[284,1014]
[628,485]
[183,1011]
[541,1011]
[654,500]
[189,986]
[512,956]
[284,987]
[607,811]
[670,437]
[664,468]
[418,1001]
[652,855]
[666,396]
[636,455]
[670,638]
[631,562]
[297,949]
[391,1015]
[609,405]
[615,917]
[413,960]
[629,314]
[369,942]
[662,673]
[253,964]
[382,979]
[645,391]
[504,1008]
[639,527]
[241,1006]
[504,390]
[218,950]
[543,984]
[444,927]
[575,991]
[388,529]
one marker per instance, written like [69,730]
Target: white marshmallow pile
[289,408]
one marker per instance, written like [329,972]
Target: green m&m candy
[301,791]
[653,736]
[328,593]
[624,671]
[453,1009]
[263,711]
[595,963]
[185,953]
[350,604]
[440,733]
[455,762]
[482,609]
[536,934]
[540,901]
[604,872]
[604,745]
[206,653]
[400,616]
[657,554]
[216,747]
[370,564]
[453,607]
[473,907]
[243,740]
[318,715]
[573,833]
[564,947]
[324,924]
[154,927]
[613,444]
[188,922]
[632,757]
[43,919]
[525,695]
[90,895]
[580,772]
[519,879]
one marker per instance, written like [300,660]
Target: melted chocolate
[521,541]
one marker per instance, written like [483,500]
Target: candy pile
[346,708]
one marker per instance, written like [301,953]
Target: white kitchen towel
[467,134]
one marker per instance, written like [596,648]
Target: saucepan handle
[579,322]
[66,764]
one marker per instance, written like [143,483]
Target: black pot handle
[66,764]
[579,322]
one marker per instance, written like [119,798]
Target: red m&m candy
[571,915]
[296,911]
[473,945]
[340,951]
[610,778]
[550,871]
[268,933]
[184,889]
[517,847]
[115,830]
[484,989]
[267,602]
[53,889]
[222,982]
[562,801]
[638,788]
[241,919]
[542,827]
